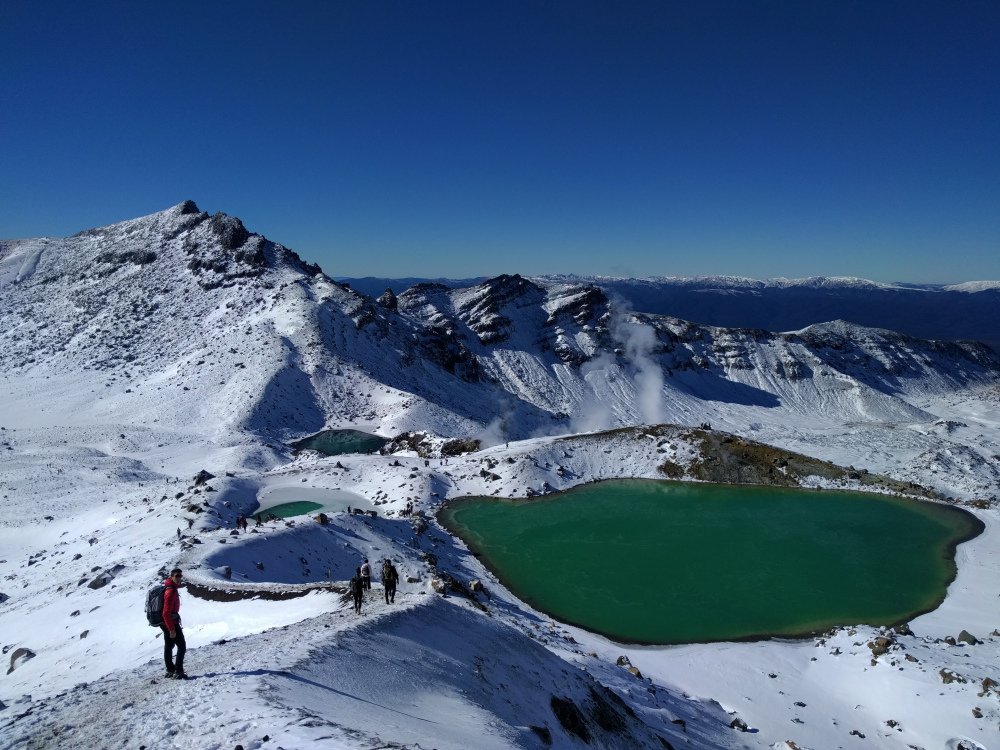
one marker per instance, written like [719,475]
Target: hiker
[171,627]
[357,590]
[389,578]
[366,575]
[190,523]
[259,524]
[178,533]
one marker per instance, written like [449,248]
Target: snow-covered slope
[134,356]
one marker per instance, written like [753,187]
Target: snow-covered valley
[133,357]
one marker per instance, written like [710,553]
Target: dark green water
[340,442]
[288,510]
[670,562]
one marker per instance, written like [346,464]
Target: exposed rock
[950,641]
[635,671]
[201,477]
[623,661]
[105,577]
[988,684]
[570,717]
[388,300]
[19,657]
[476,585]
[542,733]
[948,677]
[966,637]
[459,446]
[739,725]
[322,519]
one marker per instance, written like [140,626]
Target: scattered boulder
[635,671]
[322,519]
[856,733]
[910,657]
[950,641]
[623,661]
[739,725]
[419,524]
[459,446]
[105,577]
[966,637]
[201,477]
[948,677]
[476,586]
[84,634]
[880,645]
[903,629]
[19,657]
[988,684]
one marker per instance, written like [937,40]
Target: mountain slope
[190,318]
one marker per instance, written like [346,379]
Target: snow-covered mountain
[194,317]
[134,356]
[932,311]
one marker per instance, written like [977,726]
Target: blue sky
[475,138]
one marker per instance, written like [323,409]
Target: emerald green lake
[669,562]
[341,442]
[289,510]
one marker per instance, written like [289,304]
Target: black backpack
[154,605]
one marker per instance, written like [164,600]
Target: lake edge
[973,524]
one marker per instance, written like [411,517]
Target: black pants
[390,592]
[168,649]
[367,581]
[357,601]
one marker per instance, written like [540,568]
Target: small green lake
[288,510]
[644,561]
[341,442]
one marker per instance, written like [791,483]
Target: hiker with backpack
[357,589]
[163,605]
[389,578]
[366,575]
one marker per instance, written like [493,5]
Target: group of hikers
[362,582]
[167,615]
[241,521]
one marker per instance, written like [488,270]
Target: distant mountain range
[969,311]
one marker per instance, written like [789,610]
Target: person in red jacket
[171,627]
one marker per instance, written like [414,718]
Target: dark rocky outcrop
[388,300]
[459,446]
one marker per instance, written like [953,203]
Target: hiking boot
[169,675]
[180,676]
